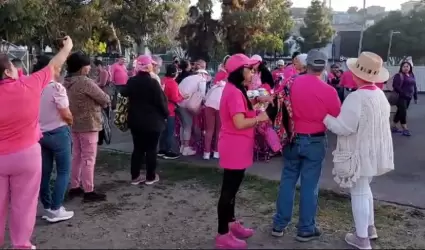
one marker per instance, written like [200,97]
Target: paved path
[405,185]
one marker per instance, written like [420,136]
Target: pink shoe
[239,231]
[228,241]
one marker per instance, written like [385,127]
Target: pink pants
[84,150]
[212,127]
[20,177]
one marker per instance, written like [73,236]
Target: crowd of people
[49,119]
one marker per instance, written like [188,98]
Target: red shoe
[228,241]
[239,231]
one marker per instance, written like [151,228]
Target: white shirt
[190,85]
[213,96]
[365,116]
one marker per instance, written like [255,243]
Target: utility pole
[392,33]
[363,27]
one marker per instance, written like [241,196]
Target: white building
[409,6]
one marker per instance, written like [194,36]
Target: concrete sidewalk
[405,185]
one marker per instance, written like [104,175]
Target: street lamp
[363,27]
[392,33]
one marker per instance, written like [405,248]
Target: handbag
[270,136]
[106,124]
[121,114]
[194,102]
[394,96]
[346,169]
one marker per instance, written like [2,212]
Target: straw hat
[368,67]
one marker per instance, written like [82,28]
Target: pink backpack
[270,136]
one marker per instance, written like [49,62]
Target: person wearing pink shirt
[279,73]
[119,77]
[221,73]
[20,153]
[236,148]
[290,70]
[312,99]
[347,81]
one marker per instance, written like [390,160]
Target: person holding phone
[235,147]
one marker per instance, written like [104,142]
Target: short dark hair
[42,62]
[76,61]
[98,62]
[4,64]
[295,54]
[183,64]
[171,70]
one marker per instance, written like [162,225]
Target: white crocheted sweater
[363,126]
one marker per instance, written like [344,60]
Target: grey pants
[186,119]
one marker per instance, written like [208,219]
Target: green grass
[398,227]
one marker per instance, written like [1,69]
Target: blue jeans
[167,140]
[55,146]
[303,159]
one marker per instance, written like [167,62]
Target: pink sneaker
[239,231]
[228,241]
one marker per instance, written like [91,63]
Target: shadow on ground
[180,212]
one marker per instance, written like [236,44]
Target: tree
[352,10]
[253,23]
[317,31]
[175,17]
[408,42]
[202,33]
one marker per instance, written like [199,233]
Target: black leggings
[401,114]
[232,180]
[144,151]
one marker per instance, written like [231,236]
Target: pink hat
[145,60]
[238,60]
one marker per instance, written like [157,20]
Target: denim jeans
[303,159]
[167,140]
[55,146]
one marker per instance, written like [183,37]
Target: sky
[338,5]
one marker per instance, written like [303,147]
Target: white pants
[362,206]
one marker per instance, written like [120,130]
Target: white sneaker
[207,155]
[33,247]
[187,151]
[59,215]
[46,213]
[153,181]
[216,155]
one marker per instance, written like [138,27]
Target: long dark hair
[236,78]
[410,65]
[266,75]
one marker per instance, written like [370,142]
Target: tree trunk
[114,35]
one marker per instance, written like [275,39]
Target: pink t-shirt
[289,71]
[235,146]
[312,99]
[380,85]
[53,97]
[19,111]
[347,80]
[119,74]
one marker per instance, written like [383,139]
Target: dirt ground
[180,213]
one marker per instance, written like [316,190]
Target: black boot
[74,192]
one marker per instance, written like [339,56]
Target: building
[409,6]
[375,10]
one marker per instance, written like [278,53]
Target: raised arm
[347,121]
[43,77]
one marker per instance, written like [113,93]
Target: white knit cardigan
[364,143]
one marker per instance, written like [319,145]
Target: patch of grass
[398,227]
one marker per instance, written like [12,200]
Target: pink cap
[145,60]
[238,60]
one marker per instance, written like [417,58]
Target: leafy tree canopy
[317,31]
[408,39]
